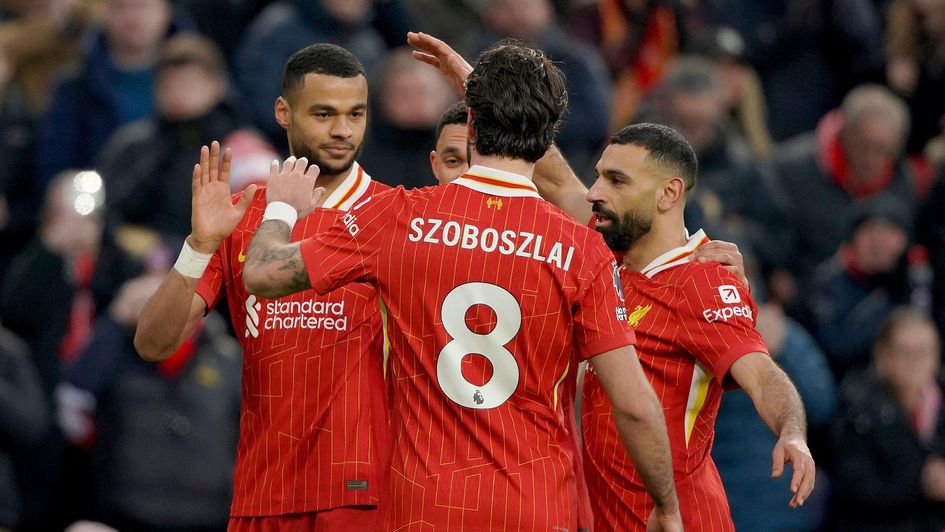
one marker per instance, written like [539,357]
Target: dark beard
[624,230]
[326,168]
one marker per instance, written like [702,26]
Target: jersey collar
[675,256]
[350,190]
[497,182]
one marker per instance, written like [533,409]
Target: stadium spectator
[113,86]
[851,293]
[165,438]
[742,93]
[409,100]
[808,53]
[888,438]
[48,300]
[44,42]
[146,165]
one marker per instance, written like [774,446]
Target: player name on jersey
[490,240]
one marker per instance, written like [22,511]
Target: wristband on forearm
[283,212]
[192,263]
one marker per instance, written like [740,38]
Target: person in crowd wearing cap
[852,292]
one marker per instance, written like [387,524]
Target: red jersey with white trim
[693,320]
[313,416]
[492,296]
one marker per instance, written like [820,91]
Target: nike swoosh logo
[241,257]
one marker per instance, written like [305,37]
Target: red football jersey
[692,320]
[492,296]
[314,430]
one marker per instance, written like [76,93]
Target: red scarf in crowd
[833,159]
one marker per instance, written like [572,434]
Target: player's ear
[470,133]
[433,160]
[672,193]
[282,110]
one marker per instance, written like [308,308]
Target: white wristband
[192,263]
[283,212]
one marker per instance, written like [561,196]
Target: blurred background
[820,131]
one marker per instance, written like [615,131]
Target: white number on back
[505,373]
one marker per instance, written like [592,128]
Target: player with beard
[313,421]
[695,324]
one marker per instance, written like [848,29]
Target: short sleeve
[600,319]
[348,251]
[717,319]
[210,287]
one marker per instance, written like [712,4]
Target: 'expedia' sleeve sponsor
[600,321]
[717,319]
[348,251]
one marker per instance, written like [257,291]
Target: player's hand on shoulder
[294,184]
[663,521]
[726,254]
[793,450]
[213,213]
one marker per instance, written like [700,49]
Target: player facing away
[695,326]
[491,296]
[313,421]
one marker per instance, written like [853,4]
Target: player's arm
[779,405]
[558,183]
[642,428]
[274,265]
[162,327]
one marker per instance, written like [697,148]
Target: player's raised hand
[437,53]
[213,213]
[793,450]
[726,254]
[294,184]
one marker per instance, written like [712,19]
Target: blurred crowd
[820,131]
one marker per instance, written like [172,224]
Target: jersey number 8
[505,373]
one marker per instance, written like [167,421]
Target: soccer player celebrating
[491,296]
[696,327]
[313,421]
[693,318]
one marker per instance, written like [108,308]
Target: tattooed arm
[274,266]
[779,405]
